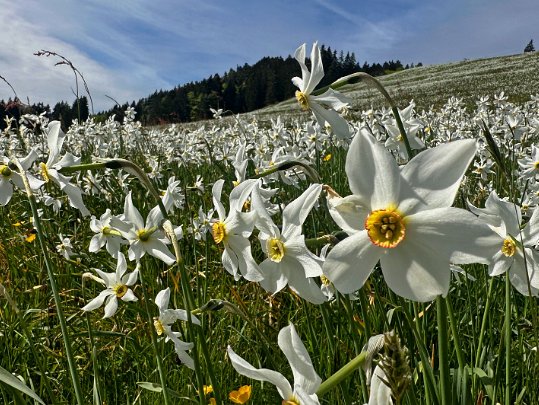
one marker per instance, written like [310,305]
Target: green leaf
[9,379]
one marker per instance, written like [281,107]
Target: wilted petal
[349,212]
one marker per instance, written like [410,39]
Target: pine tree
[529,47]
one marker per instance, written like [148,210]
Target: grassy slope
[516,75]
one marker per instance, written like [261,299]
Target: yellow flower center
[291,401]
[120,290]
[218,232]
[159,328]
[385,228]
[509,247]
[44,172]
[5,171]
[536,165]
[144,235]
[276,250]
[303,100]
[325,280]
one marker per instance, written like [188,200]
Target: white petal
[332,99]
[305,287]
[111,306]
[159,250]
[129,296]
[302,367]
[132,214]
[453,233]
[97,301]
[351,262]
[380,392]
[162,298]
[415,272]
[435,174]
[6,191]
[349,213]
[296,212]
[216,195]
[263,374]
[274,280]
[372,172]
[338,124]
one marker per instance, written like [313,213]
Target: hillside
[517,76]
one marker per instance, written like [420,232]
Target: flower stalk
[54,287]
[342,373]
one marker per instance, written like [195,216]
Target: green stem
[54,287]
[376,84]
[160,369]
[443,358]
[507,340]
[341,374]
[455,333]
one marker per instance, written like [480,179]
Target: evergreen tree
[529,47]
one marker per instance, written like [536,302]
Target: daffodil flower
[306,380]
[105,234]
[163,326]
[288,259]
[233,231]
[330,98]
[143,237]
[8,177]
[117,287]
[50,169]
[516,247]
[402,217]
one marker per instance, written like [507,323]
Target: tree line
[244,89]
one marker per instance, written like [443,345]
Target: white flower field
[338,253]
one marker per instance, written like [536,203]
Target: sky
[127,49]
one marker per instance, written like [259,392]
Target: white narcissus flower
[105,234]
[143,237]
[8,177]
[288,259]
[163,326]
[117,284]
[306,380]
[516,247]
[233,231]
[402,217]
[530,166]
[50,169]
[330,98]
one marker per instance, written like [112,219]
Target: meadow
[368,257]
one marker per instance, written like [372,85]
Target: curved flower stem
[443,358]
[54,287]
[313,174]
[376,84]
[341,374]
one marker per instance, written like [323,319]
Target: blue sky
[129,49]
